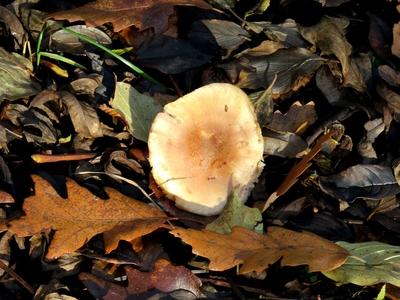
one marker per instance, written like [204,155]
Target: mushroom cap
[204,146]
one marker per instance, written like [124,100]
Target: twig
[47,158]
[17,277]
[297,171]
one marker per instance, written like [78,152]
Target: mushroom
[204,146]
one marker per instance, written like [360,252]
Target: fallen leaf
[361,181]
[255,252]
[16,76]
[329,36]
[211,35]
[379,36]
[390,75]
[138,109]
[14,25]
[369,263]
[63,41]
[81,216]
[292,67]
[165,278]
[396,40]
[170,55]
[297,170]
[234,214]
[286,33]
[125,13]
[332,3]
[297,119]
[83,116]
[283,144]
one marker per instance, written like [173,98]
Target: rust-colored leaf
[165,278]
[82,216]
[255,251]
[125,13]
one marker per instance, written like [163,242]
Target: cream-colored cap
[205,145]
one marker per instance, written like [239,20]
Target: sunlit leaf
[369,263]
[139,110]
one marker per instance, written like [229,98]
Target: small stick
[48,158]
[17,277]
[297,171]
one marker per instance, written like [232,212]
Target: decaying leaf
[361,181]
[83,116]
[234,214]
[297,170]
[329,36]
[14,25]
[396,40]
[390,75]
[81,216]
[210,35]
[332,3]
[286,33]
[139,110]
[297,119]
[293,68]
[170,55]
[255,252]
[369,263]
[63,41]
[16,77]
[125,13]
[392,99]
[283,144]
[165,278]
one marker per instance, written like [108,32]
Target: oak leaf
[144,14]
[165,278]
[83,215]
[256,251]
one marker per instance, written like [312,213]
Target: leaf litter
[323,79]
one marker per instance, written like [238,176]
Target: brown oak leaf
[83,215]
[256,251]
[143,14]
[165,278]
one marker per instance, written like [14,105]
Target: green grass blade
[112,54]
[63,59]
[38,46]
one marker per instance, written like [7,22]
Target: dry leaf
[329,36]
[125,13]
[396,40]
[256,251]
[165,278]
[82,216]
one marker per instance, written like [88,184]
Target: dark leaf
[361,181]
[84,117]
[293,68]
[332,3]
[379,36]
[16,76]
[283,144]
[329,36]
[211,35]
[170,55]
[286,33]
[297,119]
[165,278]
[125,13]
[63,41]
[391,76]
[14,25]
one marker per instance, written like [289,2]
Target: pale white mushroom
[205,145]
